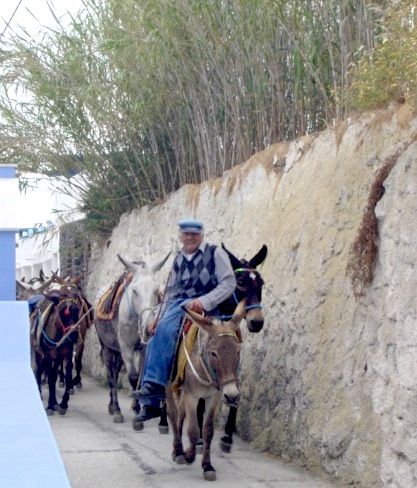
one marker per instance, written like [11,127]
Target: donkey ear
[259,257]
[198,319]
[130,266]
[239,313]
[23,286]
[233,259]
[53,297]
[156,267]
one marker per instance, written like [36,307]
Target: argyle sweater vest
[196,277]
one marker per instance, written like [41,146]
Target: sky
[37,204]
[33,14]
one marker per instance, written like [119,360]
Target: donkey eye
[214,354]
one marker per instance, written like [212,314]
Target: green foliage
[143,96]
[389,71]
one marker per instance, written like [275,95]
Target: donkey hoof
[50,411]
[163,429]
[189,458]
[178,458]
[210,475]
[199,446]
[226,444]
[118,418]
[137,424]
[61,411]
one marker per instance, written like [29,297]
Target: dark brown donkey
[249,284]
[86,320]
[210,373]
[53,335]
[249,287]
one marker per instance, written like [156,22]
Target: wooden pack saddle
[109,302]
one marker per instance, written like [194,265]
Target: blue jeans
[161,348]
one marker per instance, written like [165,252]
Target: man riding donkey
[200,279]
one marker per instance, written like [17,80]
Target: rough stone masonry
[331,380]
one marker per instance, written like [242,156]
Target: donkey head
[249,285]
[142,292]
[66,304]
[221,351]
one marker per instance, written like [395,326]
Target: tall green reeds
[146,95]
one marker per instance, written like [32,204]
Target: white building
[37,245]
[37,249]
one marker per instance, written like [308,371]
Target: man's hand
[195,305]
[152,327]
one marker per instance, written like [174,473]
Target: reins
[243,290]
[211,380]
[71,329]
[194,371]
[142,336]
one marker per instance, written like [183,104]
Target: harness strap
[73,328]
[195,373]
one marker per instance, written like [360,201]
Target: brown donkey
[210,373]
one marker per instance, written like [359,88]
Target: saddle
[190,331]
[39,318]
[109,302]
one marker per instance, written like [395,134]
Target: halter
[135,314]
[203,361]
[67,330]
[248,307]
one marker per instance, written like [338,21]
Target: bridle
[139,316]
[212,379]
[241,290]
[64,302]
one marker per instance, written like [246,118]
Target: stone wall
[330,382]
[74,250]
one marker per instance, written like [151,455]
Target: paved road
[100,453]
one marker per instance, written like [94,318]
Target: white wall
[36,252]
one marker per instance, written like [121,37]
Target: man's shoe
[150,390]
[148,412]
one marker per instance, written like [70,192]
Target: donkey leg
[201,407]
[40,367]
[79,349]
[52,377]
[113,367]
[208,431]
[176,417]
[61,374]
[134,379]
[193,431]
[163,423]
[63,406]
[118,363]
[230,428]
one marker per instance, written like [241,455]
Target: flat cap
[190,225]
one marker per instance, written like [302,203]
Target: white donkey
[126,333]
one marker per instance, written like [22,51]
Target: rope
[163,297]
[72,328]
[156,321]
[210,380]
[195,373]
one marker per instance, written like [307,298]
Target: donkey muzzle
[255,325]
[231,394]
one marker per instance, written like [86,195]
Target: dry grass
[364,250]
